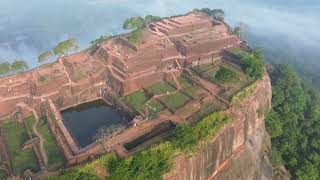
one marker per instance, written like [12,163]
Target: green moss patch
[161,88]
[154,107]
[137,100]
[175,101]
[244,93]
[55,158]
[15,136]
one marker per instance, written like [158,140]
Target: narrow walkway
[41,139]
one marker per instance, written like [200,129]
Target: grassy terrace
[153,108]
[15,136]
[55,158]
[155,161]
[175,101]
[3,174]
[161,88]
[137,100]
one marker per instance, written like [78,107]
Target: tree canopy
[294,123]
[65,47]
[19,65]
[99,40]
[133,23]
[151,18]
[4,68]
[253,63]
[45,56]
[225,75]
[217,14]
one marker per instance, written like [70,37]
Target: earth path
[41,139]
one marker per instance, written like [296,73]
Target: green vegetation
[294,124]
[65,47]
[134,23]
[42,78]
[175,101]
[253,63]
[151,18]
[137,100]
[16,66]
[5,68]
[187,137]
[157,160]
[148,164]
[137,25]
[15,136]
[161,88]
[100,40]
[194,91]
[154,107]
[55,158]
[45,56]
[244,93]
[95,170]
[225,75]
[3,174]
[19,65]
[135,36]
[217,14]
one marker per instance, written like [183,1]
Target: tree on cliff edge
[65,47]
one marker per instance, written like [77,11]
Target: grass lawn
[137,100]
[55,158]
[161,88]
[194,91]
[30,122]
[154,107]
[15,136]
[202,68]
[3,174]
[239,78]
[209,108]
[175,101]
[183,82]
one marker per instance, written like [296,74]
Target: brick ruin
[113,69]
[167,45]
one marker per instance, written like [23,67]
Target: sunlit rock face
[238,151]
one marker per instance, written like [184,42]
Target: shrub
[187,137]
[244,93]
[225,75]
[253,63]
[19,65]
[43,57]
[65,47]
[4,68]
[133,23]
[137,100]
[149,164]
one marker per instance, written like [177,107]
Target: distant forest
[294,124]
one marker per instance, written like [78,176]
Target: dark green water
[85,120]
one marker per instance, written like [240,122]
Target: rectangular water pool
[85,120]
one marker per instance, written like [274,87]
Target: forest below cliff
[294,124]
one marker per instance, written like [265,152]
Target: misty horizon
[26,31]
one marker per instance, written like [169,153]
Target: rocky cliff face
[239,150]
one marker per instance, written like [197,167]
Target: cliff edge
[239,150]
